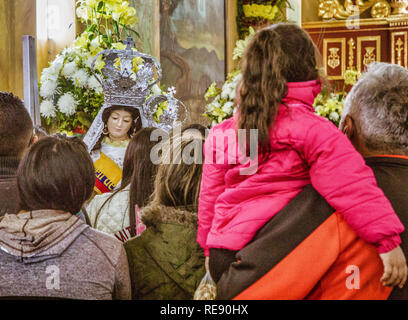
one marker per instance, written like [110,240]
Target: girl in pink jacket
[241,190]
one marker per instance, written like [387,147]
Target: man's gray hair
[379,102]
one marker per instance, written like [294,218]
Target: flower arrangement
[329,104]
[223,106]
[252,13]
[70,95]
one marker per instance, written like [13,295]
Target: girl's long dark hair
[276,55]
[138,172]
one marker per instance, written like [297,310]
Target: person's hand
[395,268]
[207,264]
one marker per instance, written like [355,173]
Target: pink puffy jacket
[306,149]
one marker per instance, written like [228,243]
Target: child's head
[276,55]
[178,179]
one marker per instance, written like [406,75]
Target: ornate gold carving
[329,9]
[400,7]
[369,56]
[371,53]
[352,47]
[381,9]
[399,48]
[330,59]
[334,58]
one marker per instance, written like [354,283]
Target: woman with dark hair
[45,251]
[116,213]
[165,261]
[120,124]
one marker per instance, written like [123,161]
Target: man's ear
[348,127]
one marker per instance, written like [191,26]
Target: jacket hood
[155,214]
[303,92]
[39,235]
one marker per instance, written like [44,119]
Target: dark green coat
[166,262]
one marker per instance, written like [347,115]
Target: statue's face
[119,123]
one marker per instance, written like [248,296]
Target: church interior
[204,149]
[197,44]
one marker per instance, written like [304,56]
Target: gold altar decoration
[400,7]
[399,47]
[335,9]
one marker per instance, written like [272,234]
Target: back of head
[178,180]
[276,55]
[138,169]
[16,126]
[57,173]
[195,130]
[379,103]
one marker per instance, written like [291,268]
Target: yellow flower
[136,62]
[113,2]
[91,3]
[211,92]
[82,41]
[99,63]
[124,14]
[118,46]
[129,20]
[117,63]
[160,110]
[258,10]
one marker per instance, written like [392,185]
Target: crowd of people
[317,212]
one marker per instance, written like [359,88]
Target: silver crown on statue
[123,87]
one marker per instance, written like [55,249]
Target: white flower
[67,51]
[47,109]
[94,84]
[156,90]
[48,88]
[67,104]
[96,43]
[69,69]
[172,91]
[88,60]
[48,74]
[233,93]
[334,116]
[80,78]
[59,59]
[228,91]
[237,78]
[52,72]
[319,109]
[228,107]
[215,104]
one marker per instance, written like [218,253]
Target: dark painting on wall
[192,49]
